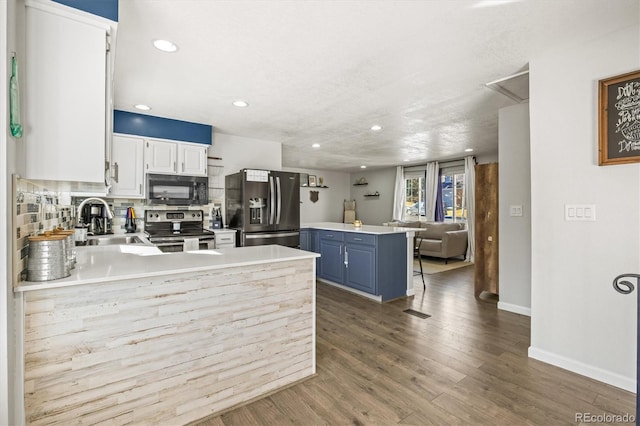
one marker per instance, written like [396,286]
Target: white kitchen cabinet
[225,238]
[192,159]
[161,156]
[67,92]
[128,167]
[175,158]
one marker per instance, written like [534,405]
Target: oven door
[177,245]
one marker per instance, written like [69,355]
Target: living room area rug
[432,265]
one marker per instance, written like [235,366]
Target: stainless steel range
[168,229]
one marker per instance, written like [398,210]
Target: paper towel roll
[190,244]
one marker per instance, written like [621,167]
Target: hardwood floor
[466,364]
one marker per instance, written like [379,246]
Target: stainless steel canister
[47,258]
[70,244]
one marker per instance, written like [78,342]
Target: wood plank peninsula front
[166,338]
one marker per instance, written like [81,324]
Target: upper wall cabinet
[128,173]
[67,95]
[175,158]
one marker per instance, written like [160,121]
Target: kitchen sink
[109,241]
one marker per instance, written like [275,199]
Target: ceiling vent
[515,87]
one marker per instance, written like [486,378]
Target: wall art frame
[619,119]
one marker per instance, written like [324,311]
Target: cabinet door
[304,240]
[360,270]
[331,260]
[192,159]
[65,98]
[128,167]
[161,156]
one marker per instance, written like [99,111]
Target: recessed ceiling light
[240,103]
[405,160]
[363,167]
[376,127]
[316,145]
[165,45]
[468,150]
[142,107]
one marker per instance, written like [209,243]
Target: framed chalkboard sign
[619,119]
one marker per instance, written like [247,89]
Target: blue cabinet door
[314,246]
[361,267]
[304,240]
[331,260]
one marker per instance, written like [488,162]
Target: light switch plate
[580,212]
[515,210]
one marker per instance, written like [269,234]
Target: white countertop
[97,264]
[365,229]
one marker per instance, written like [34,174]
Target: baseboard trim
[351,290]
[516,309]
[596,373]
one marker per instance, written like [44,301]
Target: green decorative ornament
[14,100]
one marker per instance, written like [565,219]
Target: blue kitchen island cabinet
[373,261]
[310,241]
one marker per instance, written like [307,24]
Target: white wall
[5,264]
[245,153]
[515,189]
[10,157]
[330,204]
[374,210]
[578,321]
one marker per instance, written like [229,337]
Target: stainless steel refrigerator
[264,207]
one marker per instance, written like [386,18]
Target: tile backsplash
[119,207]
[36,210]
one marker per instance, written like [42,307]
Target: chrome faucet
[109,214]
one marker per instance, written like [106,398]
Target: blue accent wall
[131,123]
[105,8]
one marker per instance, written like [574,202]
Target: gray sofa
[439,239]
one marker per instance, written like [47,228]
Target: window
[453,196]
[414,205]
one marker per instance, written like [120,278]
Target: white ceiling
[326,71]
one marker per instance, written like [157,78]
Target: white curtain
[399,195]
[431,190]
[469,199]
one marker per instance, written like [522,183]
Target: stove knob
[193,215]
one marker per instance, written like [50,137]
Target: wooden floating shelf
[371,195]
[361,184]
[307,186]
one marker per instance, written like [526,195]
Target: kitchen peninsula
[373,261]
[139,336]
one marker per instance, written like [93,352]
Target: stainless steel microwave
[177,190]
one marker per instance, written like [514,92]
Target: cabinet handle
[330,236]
[357,239]
[140,189]
[116,171]
[183,167]
[174,167]
[346,258]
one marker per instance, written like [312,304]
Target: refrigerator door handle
[279,195]
[272,195]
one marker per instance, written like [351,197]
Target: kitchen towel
[190,244]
